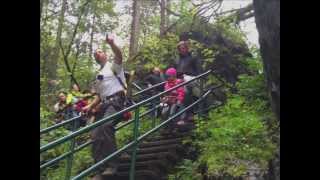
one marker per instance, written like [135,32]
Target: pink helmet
[171,72]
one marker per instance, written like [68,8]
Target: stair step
[153,156]
[139,175]
[151,165]
[168,136]
[187,127]
[160,142]
[156,149]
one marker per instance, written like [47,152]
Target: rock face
[267,17]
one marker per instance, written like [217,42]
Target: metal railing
[61,124]
[136,138]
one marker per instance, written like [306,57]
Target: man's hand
[115,49]
[87,108]
[110,39]
[164,99]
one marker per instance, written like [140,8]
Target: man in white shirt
[110,90]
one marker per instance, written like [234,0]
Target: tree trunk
[91,37]
[267,17]
[135,26]
[52,63]
[75,62]
[168,13]
[162,17]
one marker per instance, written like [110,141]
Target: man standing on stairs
[110,89]
[187,68]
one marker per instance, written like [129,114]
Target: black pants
[104,142]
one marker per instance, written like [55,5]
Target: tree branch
[171,26]
[66,54]
[244,13]
[76,59]
[170,11]
[76,27]
[245,17]
[212,6]
[135,57]
[241,13]
[61,47]
[229,11]
[246,9]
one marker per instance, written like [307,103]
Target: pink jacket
[177,94]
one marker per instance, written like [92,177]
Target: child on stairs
[173,101]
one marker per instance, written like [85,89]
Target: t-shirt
[109,84]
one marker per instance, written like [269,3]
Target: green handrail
[71,148]
[61,157]
[142,115]
[53,127]
[149,88]
[109,118]
[135,136]
[127,146]
[42,131]
[136,86]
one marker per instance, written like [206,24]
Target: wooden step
[156,149]
[139,175]
[160,142]
[157,165]
[167,136]
[154,156]
[186,127]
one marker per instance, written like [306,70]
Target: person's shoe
[173,131]
[181,122]
[164,131]
[109,171]
[125,155]
[97,177]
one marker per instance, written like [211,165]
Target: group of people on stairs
[70,104]
[109,93]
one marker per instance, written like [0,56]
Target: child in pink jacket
[174,99]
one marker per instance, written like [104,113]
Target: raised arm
[116,50]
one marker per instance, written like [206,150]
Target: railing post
[71,148]
[201,103]
[155,114]
[135,136]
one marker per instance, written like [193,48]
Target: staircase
[155,156]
